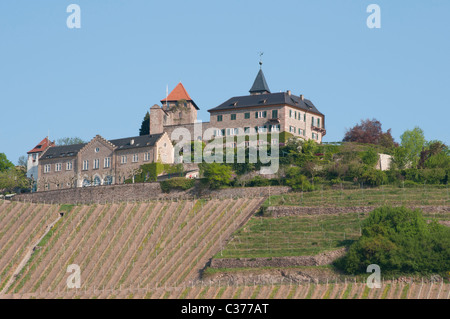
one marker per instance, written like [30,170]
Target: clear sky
[102,78]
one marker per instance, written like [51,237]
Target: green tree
[12,179]
[145,126]
[296,180]
[413,142]
[216,174]
[370,157]
[399,240]
[22,161]
[5,164]
[69,141]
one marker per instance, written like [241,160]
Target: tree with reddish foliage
[369,132]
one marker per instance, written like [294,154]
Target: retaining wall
[142,191]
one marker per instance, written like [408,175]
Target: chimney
[289,92]
[302,97]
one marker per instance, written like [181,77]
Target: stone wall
[141,192]
[282,211]
[325,258]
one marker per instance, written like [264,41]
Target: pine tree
[145,126]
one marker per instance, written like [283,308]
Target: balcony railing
[319,129]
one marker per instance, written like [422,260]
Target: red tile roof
[178,93]
[42,146]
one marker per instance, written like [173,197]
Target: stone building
[33,158]
[265,112]
[259,112]
[101,161]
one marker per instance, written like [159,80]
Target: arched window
[86,182]
[97,181]
[108,180]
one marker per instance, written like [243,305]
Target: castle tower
[180,107]
[156,119]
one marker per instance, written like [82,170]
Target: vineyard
[117,246]
[397,290]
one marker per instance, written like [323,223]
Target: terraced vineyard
[437,290]
[122,246]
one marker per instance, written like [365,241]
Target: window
[262,129]
[274,114]
[300,131]
[312,120]
[304,117]
[218,133]
[69,166]
[260,114]
[304,133]
[108,180]
[246,115]
[219,118]
[275,128]
[97,181]
[291,129]
[97,150]
[85,165]
[34,156]
[123,159]
[295,114]
[47,168]
[146,156]
[96,163]
[290,113]
[58,167]
[246,129]
[135,158]
[318,122]
[107,162]
[233,117]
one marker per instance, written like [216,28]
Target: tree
[434,155]
[216,174]
[22,161]
[369,132]
[13,178]
[413,142]
[69,141]
[399,240]
[5,164]
[145,126]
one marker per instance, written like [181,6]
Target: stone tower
[156,119]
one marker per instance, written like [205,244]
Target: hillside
[118,246]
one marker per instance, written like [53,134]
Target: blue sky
[102,78]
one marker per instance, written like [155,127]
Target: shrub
[180,183]
[259,181]
[374,177]
[296,180]
[399,240]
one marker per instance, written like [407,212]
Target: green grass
[386,291]
[185,293]
[238,293]
[310,291]
[405,292]
[328,292]
[265,237]
[383,195]
[292,236]
[220,293]
[255,292]
[347,291]
[274,292]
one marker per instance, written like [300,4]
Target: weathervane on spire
[260,59]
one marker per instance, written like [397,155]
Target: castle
[105,162]
[259,112]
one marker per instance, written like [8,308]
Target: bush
[259,181]
[297,180]
[180,183]
[374,177]
[400,241]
